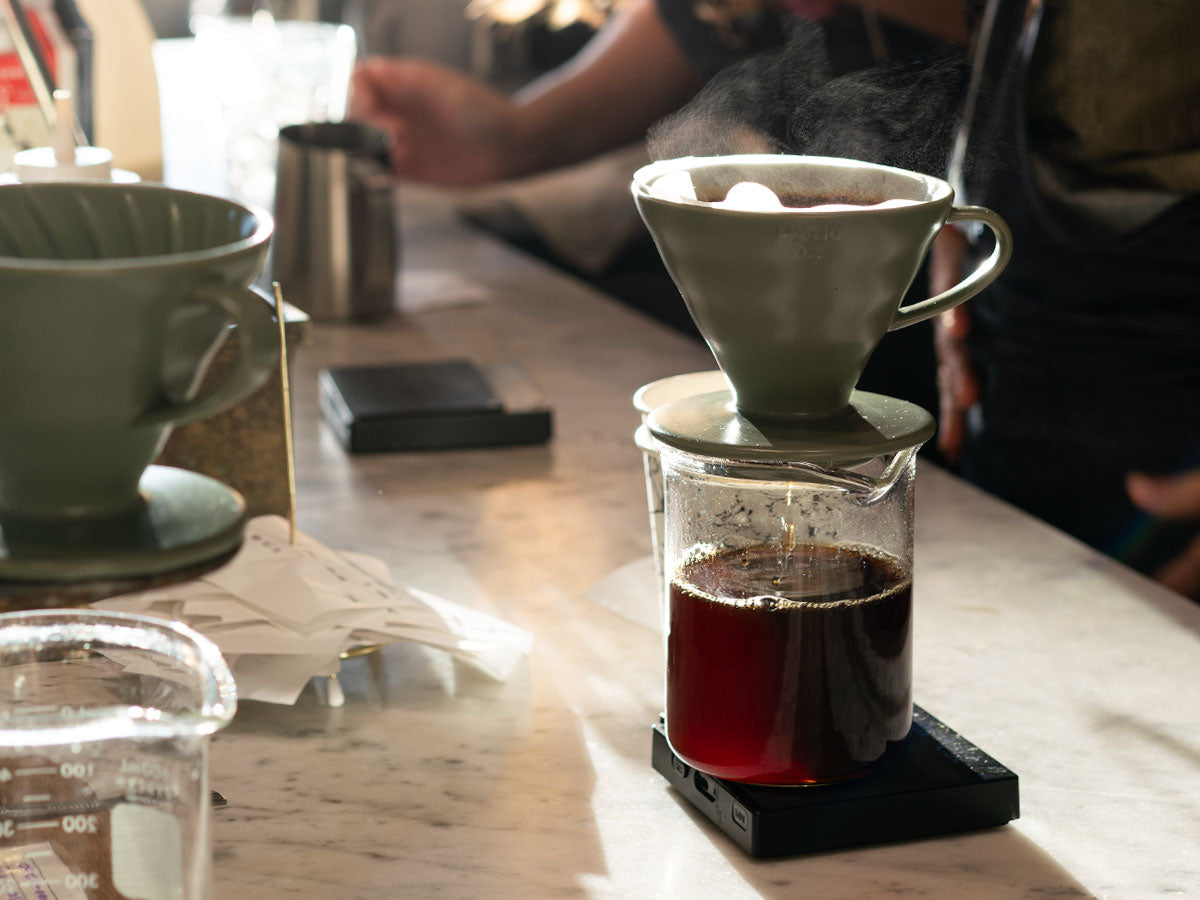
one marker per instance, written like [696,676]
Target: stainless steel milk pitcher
[335,251]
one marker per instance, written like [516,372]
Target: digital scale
[934,782]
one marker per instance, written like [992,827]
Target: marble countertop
[433,781]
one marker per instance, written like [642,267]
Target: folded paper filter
[283,613]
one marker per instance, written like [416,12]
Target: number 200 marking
[80,824]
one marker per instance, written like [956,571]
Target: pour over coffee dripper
[792,302]
[788,497]
[115,298]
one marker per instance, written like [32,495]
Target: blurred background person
[1071,386]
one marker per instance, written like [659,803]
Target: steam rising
[898,113]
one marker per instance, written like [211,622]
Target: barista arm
[630,75]
[958,385]
[449,128]
[1173,497]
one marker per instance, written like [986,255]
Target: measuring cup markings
[39,869]
[103,757]
[106,825]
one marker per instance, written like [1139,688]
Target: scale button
[741,818]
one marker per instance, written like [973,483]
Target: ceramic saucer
[871,425]
[184,519]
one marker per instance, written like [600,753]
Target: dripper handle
[258,354]
[973,283]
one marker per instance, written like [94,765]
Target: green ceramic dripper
[793,302]
[114,299]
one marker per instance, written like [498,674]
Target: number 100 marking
[75,770]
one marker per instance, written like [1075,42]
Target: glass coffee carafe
[789,620]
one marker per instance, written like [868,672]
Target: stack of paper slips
[285,612]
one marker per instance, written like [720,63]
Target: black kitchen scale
[933,782]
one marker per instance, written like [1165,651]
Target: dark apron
[1088,354]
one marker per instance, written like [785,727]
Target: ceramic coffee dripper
[115,298]
[793,302]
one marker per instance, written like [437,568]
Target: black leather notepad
[432,406]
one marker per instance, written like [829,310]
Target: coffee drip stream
[803,677]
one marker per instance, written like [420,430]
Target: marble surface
[434,782]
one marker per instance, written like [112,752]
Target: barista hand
[449,128]
[1172,497]
[958,386]
[445,127]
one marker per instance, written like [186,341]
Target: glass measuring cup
[104,722]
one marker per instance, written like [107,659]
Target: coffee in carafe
[824,636]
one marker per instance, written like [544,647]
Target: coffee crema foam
[752,196]
[803,576]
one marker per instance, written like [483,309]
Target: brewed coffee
[788,666]
[827,203]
